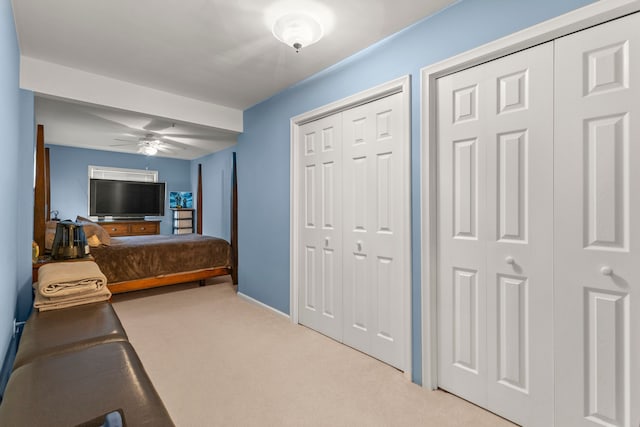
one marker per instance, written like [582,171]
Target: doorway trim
[400,85]
[577,20]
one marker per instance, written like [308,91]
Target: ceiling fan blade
[157,124]
[126,140]
[120,145]
[175,144]
[186,135]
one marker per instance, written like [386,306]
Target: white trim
[401,85]
[576,20]
[69,83]
[294,188]
[123,174]
[261,304]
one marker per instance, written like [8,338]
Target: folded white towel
[43,303]
[61,279]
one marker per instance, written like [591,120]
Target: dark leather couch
[73,367]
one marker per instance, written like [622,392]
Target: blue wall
[216,192]
[263,148]
[25,202]
[69,182]
[16,176]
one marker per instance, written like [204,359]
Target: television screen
[126,199]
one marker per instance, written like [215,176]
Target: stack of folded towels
[66,284]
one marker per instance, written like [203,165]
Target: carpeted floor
[218,360]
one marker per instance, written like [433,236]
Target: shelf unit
[182,221]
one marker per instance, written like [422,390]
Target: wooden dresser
[131,228]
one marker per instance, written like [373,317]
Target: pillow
[93,241]
[92,229]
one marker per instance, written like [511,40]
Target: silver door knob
[326,242]
[510,260]
[606,271]
[359,244]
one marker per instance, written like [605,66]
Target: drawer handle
[114,229]
[142,228]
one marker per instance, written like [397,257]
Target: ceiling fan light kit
[148,150]
[297,30]
[149,147]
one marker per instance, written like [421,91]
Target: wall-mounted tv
[126,199]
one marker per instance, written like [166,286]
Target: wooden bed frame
[42,209]
[168,279]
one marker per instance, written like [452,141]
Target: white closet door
[374,205]
[461,239]
[495,225]
[597,215]
[320,290]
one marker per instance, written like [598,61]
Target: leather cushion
[67,389]
[59,331]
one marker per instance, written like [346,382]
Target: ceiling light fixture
[148,148]
[297,30]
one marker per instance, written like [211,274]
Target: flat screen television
[126,199]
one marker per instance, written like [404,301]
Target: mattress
[139,257]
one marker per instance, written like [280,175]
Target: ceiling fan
[150,144]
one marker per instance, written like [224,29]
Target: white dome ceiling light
[299,23]
[297,30]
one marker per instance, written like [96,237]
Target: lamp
[297,30]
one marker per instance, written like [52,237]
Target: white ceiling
[218,51]
[89,126]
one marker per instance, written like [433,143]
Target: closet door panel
[597,214]
[520,237]
[495,224]
[320,294]
[461,239]
[373,241]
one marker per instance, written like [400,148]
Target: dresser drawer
[131,228]
[146,228]
[116,229]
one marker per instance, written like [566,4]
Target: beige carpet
[218,360]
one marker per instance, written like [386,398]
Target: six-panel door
[353,210]
[597,215]
[374,241]
[320,212]
[495,224]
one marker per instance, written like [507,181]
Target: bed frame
[169,279]
[42,208]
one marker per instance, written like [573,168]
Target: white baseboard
[261,304]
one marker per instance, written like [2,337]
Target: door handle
[326,242]
[359,245]
[606,271]
[510,260]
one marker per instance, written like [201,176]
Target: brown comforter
[139,257]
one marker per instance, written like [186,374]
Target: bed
[140,262]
